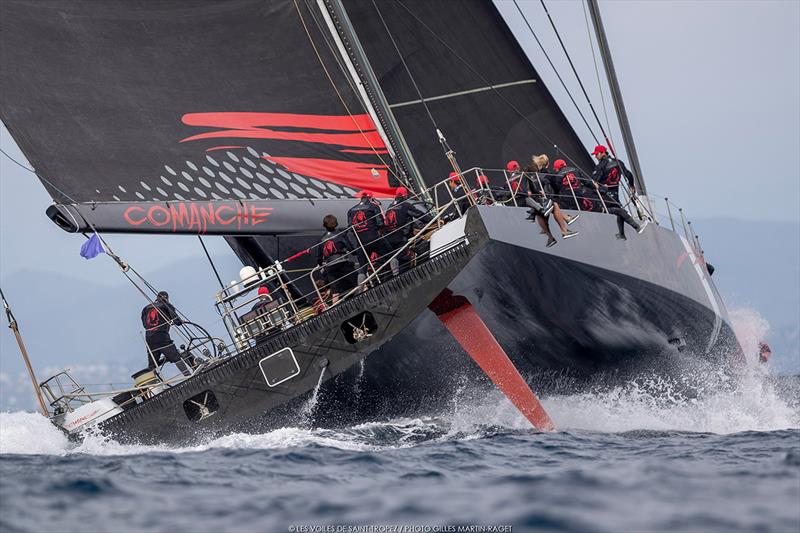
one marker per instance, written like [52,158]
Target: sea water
[643,456]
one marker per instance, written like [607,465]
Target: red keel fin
[464,323]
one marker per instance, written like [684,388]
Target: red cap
[454,177]
[600,149]
[366,194]
[558,164]
[511,166]
[263,290]
[401,191]
[483,180]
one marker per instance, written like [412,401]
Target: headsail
[177,100]
[480,87]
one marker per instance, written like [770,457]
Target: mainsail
[479,86]
[239,117]
[121,105]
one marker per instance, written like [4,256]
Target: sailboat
[252,120]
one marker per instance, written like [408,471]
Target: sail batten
[462,93]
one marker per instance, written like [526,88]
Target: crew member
[486,196]
[609,171]
[399,226]
[460,192]
[157,318]
[571,189]
[366,220]
[607,175]
[332,255]
[538,186]
[262,306]
[323,300]
[623,217]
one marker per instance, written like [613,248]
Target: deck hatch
[279,367]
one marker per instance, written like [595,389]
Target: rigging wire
[405,65]
[47,181]
[339,94]
[596,70]
[124,267]
[558,75]
[490,85]
[213,267]
[17,162]
[577,76]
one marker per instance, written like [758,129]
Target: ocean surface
[640,456]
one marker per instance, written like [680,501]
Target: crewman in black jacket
[607,175]
[157,318]
[399,226]
[571,185]
[609,171]
[333,254]
[366,220]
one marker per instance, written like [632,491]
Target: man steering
[157,317]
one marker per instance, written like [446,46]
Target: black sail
[122,104]
[456,50]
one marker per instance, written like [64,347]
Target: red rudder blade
[464,323]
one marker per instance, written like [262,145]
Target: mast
[616,94]
[369,89]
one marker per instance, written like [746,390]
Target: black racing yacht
[251,120]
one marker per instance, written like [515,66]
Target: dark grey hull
[591,306]
[244,399]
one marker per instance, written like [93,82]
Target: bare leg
[544,225]
[560,219]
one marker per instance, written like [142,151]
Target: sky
[712,89]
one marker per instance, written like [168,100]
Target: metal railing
[288,306]
[505,188]
[401,246]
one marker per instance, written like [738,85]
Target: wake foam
[30,433]
[707,401]
[702,399]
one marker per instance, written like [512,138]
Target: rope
[488,84]
[575,71]
[558,75]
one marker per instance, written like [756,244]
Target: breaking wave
[756,402]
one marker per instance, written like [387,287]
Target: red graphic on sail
[349,134]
